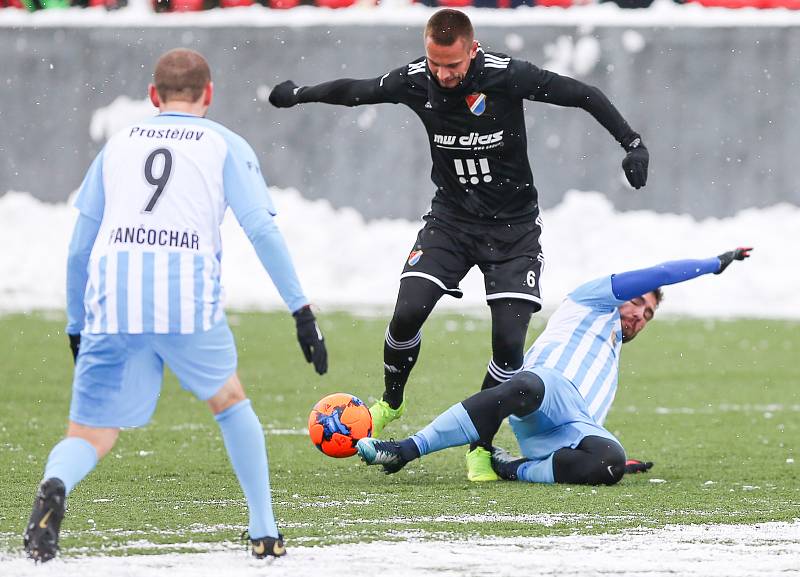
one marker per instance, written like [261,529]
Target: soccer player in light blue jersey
[558,402]
[143,290]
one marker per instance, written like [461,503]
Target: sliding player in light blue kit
[559,400]
[143,290]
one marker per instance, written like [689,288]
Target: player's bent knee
[612,471]
[406,323]
[232,392]
[415,301]
[408,318]
[528,391]
[596,461]
[101,438]
[611,465]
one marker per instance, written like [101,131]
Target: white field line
[707,550]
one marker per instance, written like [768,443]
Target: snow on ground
[348,263]
[702,550]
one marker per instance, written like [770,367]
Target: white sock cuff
[499,374]
[403,345]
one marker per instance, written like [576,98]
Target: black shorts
[509,256]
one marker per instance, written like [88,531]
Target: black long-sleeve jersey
[476,131]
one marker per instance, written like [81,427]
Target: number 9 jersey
[159,190]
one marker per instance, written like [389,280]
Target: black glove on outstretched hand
[636,466]
[74,345]
[310,338]
[727,258]
[284,95]
[636,162]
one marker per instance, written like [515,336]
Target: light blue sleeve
[271,249]
[247,194]
[80,248]
[597,294]
[245,188]
[91,199]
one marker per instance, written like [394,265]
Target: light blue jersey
[582,342]
[159,191]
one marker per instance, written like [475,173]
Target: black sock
[408,449]
[495,375]
[498,372]
[489,381]
[398,360]
[520,395]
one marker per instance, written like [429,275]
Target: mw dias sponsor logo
[473,140]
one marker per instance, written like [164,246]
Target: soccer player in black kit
[485,209]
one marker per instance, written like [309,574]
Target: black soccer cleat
[505,464]
[41,533]
[386,453]
[267,547]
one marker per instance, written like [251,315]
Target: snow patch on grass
[707,550]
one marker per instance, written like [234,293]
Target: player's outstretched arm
[565,91]
[274,255]
[345,92]
[80,249]
[247,194]
[628,285]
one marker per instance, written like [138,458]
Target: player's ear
[153,93]
[208,94]
[473,52]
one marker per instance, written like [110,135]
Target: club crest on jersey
[476,103]
[414,257]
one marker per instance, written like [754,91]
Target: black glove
[634,466]
[284,95]
[75,345]
[727,258]
[310,338]
[636,162]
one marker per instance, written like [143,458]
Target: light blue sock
[450,429]
[244,440]
[537,471]
[71,460]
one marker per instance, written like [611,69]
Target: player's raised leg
[244,441]
[69,462]
[510,320]
[415,301]
[476,419]
[108,369]
[595,461]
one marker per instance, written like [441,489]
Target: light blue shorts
[563,420]
[118,377]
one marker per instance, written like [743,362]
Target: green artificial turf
[715,404]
